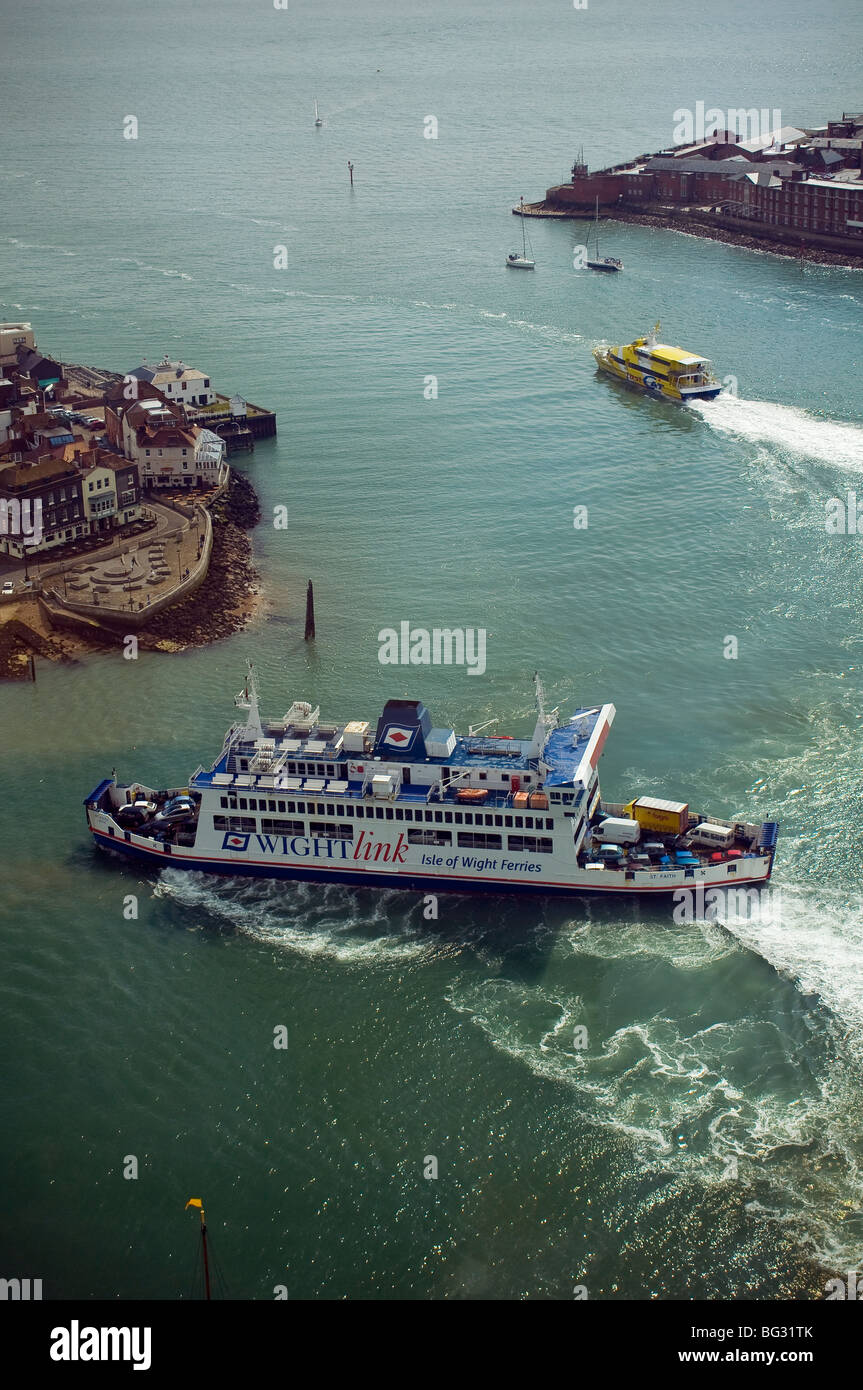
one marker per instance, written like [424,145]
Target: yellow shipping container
[667,817]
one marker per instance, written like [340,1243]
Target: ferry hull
[651,385]
[410,880]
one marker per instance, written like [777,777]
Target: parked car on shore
[8,588]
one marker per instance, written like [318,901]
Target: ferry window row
[517,844]
[329,830]
[399,813]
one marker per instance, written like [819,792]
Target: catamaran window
[328,830]
[429,837]
[322,771]
[400,815]
[530,844]
[483,776]
[498,820]
[429,815]
[379,812]
[282,827]
[350,810]
[459,819]
[244,806]
[340,810]
[470,840]
[232,803]
[507,820]
[292,769]
[549,823]
[389,812]
[281,806]
[555,798]
[519,822]
[447,815]
[504,776]
[223,802]
[438,815]
[528,820]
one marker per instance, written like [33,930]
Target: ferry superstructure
[659,369]
[410,806]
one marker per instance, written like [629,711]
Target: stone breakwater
[226,600]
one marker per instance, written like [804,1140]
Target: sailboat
[523,261]
[318,120]
[607,262]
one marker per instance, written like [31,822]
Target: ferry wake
[416,807]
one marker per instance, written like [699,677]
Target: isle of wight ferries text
[367,850]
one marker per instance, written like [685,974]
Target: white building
[179,383]
[11,336]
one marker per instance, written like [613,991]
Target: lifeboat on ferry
[471,794]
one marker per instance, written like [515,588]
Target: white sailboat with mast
[318,120]
[609,263]
[523,261]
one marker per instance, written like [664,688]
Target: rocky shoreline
[223,605]
[693,227]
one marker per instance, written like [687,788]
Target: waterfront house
[180,384]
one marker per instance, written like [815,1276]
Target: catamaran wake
[786,427]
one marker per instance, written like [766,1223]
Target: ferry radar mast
[247,698]
[544,722]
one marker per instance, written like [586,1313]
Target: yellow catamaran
[660,370]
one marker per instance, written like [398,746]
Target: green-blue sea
[706,1142]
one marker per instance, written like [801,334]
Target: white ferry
[410,806]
